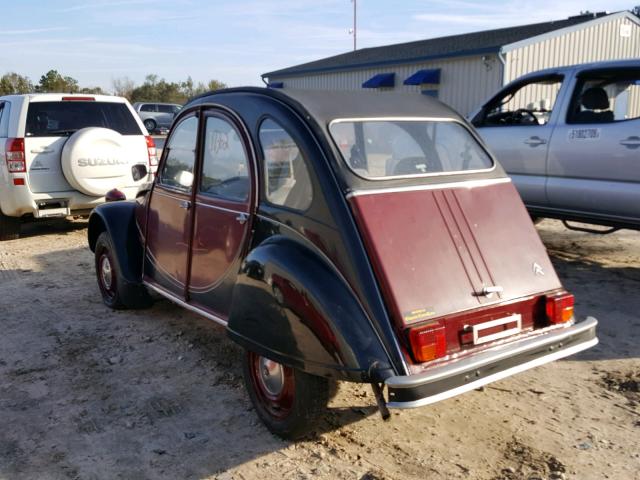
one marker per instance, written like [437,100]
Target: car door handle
[631,142]
[535,141]
[185,204]
[42,150]
[242,218]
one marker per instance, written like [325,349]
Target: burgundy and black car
[340,236]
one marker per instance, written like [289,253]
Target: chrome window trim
[413,119]
[434,186]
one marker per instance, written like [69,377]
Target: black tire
[117,292]
[9,227]
[150,125]
[294,410]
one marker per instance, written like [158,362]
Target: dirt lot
[87,393]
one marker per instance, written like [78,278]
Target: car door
[517,125]
[170,210]
[224,197]
[594,158]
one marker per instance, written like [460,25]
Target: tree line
[154,89]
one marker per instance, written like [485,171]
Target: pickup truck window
[529,103]
[286,173]
[225,168]
[606,98]
[382,149]
[177,171]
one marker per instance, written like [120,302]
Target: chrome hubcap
[105,269]
[271,376]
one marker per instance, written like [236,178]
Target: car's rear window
[57,119]
[381,149]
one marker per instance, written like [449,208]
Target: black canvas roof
[474,43]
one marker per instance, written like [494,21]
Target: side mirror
[139,171]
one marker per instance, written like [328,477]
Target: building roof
[475,43]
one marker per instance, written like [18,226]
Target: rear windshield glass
[57,119]
[377,149]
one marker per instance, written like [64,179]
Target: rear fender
[118,219]
[291,305]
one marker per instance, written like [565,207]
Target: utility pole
[355,23]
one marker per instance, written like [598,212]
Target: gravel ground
[87,393]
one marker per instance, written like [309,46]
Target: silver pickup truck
[570,139]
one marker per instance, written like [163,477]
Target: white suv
[60,154]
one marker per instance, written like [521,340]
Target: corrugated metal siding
[464,81]
[598,42]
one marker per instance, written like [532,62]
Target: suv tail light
[151,149]
[428,342]
[560,307]
[16,162]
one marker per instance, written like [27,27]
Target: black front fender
[118,219]
[290,304]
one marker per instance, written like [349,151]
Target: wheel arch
[118,220]
[303,314]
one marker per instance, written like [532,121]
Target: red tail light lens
[16,162]
[428,342]
[560,307]
[78,99]
[151,149]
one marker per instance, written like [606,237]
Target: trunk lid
[439,251]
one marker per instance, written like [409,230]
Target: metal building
[463,70]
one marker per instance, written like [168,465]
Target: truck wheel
[150,125]
[117,292]
[9,227]
[287,400]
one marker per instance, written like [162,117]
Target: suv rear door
[594,159]
[49,124]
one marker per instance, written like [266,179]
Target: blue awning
[424,76]
[275,85]
[380,80]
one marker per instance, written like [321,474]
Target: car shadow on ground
[34,228]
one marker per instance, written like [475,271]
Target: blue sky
[96,41]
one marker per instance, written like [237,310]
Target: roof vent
[587,14]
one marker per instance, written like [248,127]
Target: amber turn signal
[560,307]
[428,342]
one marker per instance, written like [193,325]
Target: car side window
[165,108]
[177,171]
[225,165]
[606,97]
[530,104]
[4,119]
[148,107]
[285,170]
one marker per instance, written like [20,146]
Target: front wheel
[288,401]
[150,125]
[117,292]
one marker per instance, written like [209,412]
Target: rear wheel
[288,401]
[9,227]
[150,125]
[116,292]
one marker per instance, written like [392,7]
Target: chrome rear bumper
[454,378]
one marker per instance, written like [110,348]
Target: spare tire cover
[94,161]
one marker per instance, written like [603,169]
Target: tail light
[428,342]
[151,150]
[16,162]
[560,307]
